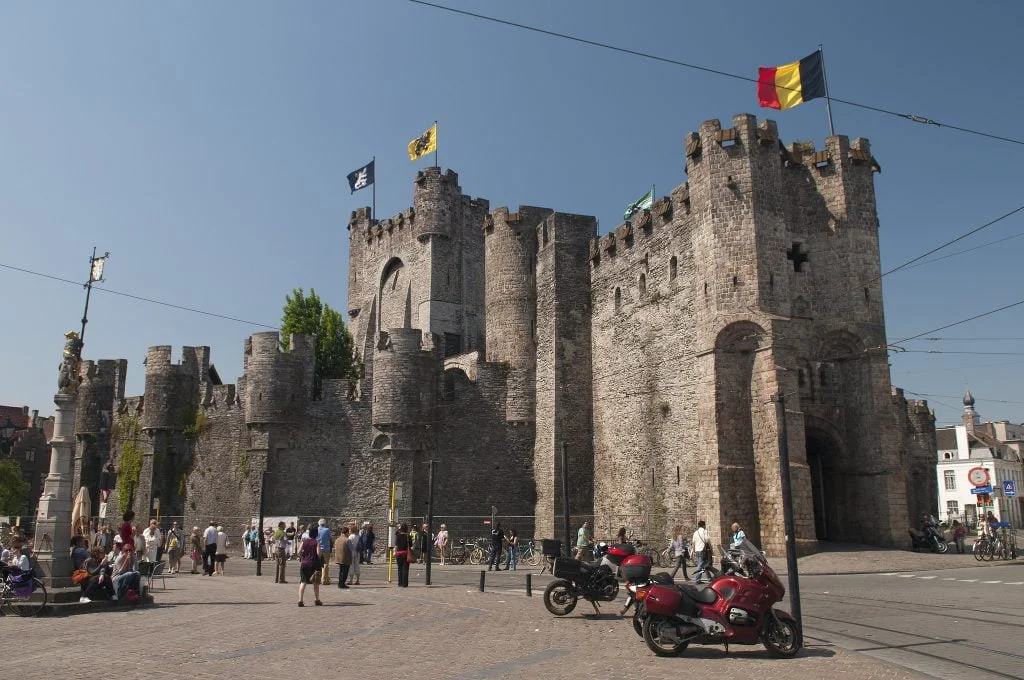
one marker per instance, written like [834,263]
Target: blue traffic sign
[978,490]
[1009,488]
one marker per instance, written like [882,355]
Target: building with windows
[994,447]
[28,445]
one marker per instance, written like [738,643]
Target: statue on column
[67,378]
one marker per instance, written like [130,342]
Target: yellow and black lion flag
[783,87]
[424,144]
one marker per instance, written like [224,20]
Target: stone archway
[824,455]
[394,296]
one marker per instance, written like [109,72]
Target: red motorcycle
[736,609]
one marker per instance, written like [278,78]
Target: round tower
[510,300]
[160,406]
[277,384]
[437,201]
[404,380]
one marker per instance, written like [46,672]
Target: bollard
[529,585]
[483,575]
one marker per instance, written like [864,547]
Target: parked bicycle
[22,593]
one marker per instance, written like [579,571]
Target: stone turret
[511,302]
[278,385]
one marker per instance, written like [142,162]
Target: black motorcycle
[930,536]
[574,580]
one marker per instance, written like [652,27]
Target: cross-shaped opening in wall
[798,258]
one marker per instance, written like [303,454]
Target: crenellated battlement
[527,216]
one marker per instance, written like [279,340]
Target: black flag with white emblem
[361,178]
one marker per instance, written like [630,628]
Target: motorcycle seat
[702,595]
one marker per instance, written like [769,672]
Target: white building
[995,447]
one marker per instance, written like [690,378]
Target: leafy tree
[332,341]
[13,488]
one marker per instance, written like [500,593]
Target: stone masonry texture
[489,339]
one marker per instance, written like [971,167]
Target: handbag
[80,576]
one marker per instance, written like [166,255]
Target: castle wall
[644,391]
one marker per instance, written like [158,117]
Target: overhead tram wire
[139,297]
[967,250]
[958,323]
[725,74]
[952,396]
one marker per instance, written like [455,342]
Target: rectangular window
[949,477]
[952,509]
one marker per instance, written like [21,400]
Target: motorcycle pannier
[636,567]
[621,550]
[566,567]
[551,547]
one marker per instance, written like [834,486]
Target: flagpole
[373,210]
[828,100]
[438,165]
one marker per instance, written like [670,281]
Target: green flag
[643,203]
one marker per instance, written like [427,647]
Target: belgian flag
[783,87]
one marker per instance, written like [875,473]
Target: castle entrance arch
[823,453]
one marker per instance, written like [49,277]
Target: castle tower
[511,299]
[102,385]
[171,400]
[564,371]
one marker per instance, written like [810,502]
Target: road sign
[978,490]
[1009,488]
[978,476]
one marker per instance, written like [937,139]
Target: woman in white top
[441,541]
[154,540]
[222,550]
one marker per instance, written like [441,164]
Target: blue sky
[205,145]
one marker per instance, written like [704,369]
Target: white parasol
[81,512]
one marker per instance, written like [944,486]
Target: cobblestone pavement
[243,626]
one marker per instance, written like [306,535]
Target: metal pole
[828,100]
[565,501]
[373,210]
[430,519]
[391,523]
[259,528]
[88,292]
[787,512]
[435,146]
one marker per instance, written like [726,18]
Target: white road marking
[1015,583]
[926,577]
[950,578]
[962,580]
[891,573]
[991,581]
[908,575]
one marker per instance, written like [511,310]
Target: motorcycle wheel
[559,597]
[781,638]
[941,546]
[652,629]
[638,623]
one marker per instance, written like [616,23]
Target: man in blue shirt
[323,537]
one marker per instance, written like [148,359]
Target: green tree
[13,488]
[332,341]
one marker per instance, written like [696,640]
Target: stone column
[53,519]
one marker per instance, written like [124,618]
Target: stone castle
[490,339]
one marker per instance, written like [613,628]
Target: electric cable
[962,321]
[646,55]
[139,297]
